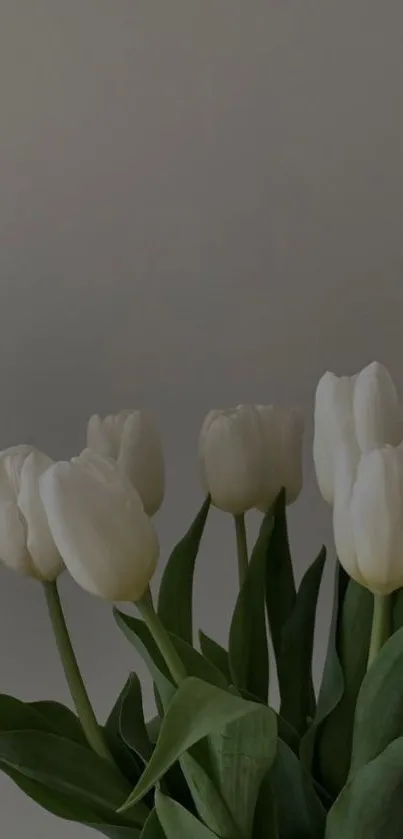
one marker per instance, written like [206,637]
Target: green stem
[381,625]
[74,679]
[242,547]
[161,638]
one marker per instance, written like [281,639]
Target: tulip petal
[334,426]
[377,411]
[46,559]
[377,517]
[345,473]
[141,459]
[106,540]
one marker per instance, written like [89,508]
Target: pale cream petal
[46,560]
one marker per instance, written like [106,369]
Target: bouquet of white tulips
[216,761]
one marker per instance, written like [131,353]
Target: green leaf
[177,822]
[176,589]
[207,799]
[334,744]
[280,585]
[397,609]
[61,720]
[65,766]
[248,648]
[299,811]
[295,659]
[196,711]
[241,755]
[139,635]
[216,654]
[65,806]
[379,711]
[152,828]
[265,824]
[19,716]
[370,805]
[127,719]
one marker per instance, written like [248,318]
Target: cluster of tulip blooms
[94,515]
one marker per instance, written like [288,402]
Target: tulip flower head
[282,454]
[26,543]
[368,518]
[131,439]
[99,525]
[359,413]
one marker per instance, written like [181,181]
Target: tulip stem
[78,691]
[381,625]
[242,547]
[161,638]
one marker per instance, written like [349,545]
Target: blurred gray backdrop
[200,204]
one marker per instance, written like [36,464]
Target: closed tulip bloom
[26,543]
[282,455]
[231,451]
[360,412]
[131,439]
[334,425]
[99,525]
[369,521]
[377,410]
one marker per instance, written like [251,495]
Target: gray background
[200,204]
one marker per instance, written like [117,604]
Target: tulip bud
[231,450]
[99,525]
[26,544]
[368,520]
[334,426]
[377,412]
[282,457]
[131,439]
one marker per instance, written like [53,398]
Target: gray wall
[200,204]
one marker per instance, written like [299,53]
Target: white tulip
[368,520]
[231,450]
[377,412]
[131,439]
[334,425]
[99,525]
[361,412]
[282,458]
[26,544]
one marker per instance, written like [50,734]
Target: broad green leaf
[265,824]
[334,744]
[288,734]
[21,716]
[295,659]
[66,806]
[153,727]
[140,637]
[379,710]
[208,802]
[300,813]
[176,589]
[196,711]
[241,755]
[216,654]
[280,584]
[370,805]
[127,719]
[248,648]
[177,822]
[65,766]
[152,828]
[61,720]
[195,664]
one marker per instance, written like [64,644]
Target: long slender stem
[74,679]
[161,638]
[381,625]
[242,547]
